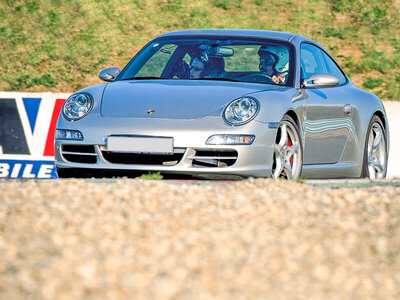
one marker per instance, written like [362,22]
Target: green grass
[372,83]
[54,45]
[152,176]
[300,180]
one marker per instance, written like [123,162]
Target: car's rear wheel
[375,150]
[288,150]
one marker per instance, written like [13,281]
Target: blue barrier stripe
[27,169]
[32,109]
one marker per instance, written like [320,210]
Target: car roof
[286,36]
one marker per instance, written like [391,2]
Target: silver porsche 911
[208,103]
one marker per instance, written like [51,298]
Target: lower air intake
[142,159]
[84,154]
[214,158]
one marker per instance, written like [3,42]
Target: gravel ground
[143,239]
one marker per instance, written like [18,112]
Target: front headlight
[77,106]
[241,111]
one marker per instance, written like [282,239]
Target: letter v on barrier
[35,114]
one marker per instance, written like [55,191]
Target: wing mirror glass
[109,74]
[320,80]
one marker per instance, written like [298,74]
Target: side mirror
[320,80]
[109,74]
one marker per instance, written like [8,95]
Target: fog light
[62,134]
[229,139]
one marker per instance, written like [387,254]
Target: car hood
[177,99]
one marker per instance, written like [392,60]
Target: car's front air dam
[189,135]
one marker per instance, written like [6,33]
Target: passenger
[205,65]
[196,67]
[215,68]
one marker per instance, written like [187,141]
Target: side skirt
[338,170]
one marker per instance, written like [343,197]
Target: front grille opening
[84,154]
[214,158]
[78,148]
[142,159]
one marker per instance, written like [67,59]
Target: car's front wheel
[375,150]
[288,150]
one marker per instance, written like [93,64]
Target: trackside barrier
[27,128]
[393,114]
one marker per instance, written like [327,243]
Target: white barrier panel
[27,128]
[393,113]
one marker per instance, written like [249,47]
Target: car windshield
[229,59]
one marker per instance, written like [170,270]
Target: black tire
[365,168]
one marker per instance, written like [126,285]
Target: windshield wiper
[216,78]
[140,78]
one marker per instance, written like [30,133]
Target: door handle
[347,109]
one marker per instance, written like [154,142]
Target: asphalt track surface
[171,239]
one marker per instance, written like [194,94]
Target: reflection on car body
[227,103]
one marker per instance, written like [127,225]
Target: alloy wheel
[287,160]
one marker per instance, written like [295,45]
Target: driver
[270,62]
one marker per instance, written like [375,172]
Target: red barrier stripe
[49,148]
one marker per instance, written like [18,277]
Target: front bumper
[189,136]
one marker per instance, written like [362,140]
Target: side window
[187,59]
[308,63]
[311,60]
[333,69]
[314,60]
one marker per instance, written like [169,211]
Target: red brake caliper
[290,144]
